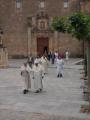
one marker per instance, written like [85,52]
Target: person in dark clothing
[49,56]
[53,57]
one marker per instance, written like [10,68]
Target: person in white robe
[37,60]
[67,55]
[56,56]
[26,77]
[37,77]
[45,64]
[60,67]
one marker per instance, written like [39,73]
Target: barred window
[65,3]
[41,4]
[18,4]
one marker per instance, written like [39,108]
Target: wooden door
[42,45]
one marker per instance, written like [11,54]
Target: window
[18,4]
[41,4]
[65,3]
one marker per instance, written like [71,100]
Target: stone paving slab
[60,99]
[20,115]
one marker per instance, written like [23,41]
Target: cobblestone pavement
[60,100]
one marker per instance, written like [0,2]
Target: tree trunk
[85,58]
[85,64]
[88,63]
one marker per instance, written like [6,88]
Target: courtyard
[61,98]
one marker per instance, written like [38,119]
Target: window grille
[18,4]
[65,3]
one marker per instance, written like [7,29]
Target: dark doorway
[45,50]
[42,45]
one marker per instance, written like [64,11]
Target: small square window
[18,4]
[41,4]
[65,3]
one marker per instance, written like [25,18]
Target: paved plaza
[61,98]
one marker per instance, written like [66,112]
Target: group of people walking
[52,56]
[34,70]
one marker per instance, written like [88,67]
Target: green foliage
[58,24]
[77,24]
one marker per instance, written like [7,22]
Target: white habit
[60,64]
[26,77]
[37,77]
[44,64]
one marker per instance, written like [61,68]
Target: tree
[58,24]
[78,25]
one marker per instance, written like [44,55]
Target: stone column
[51,42]
[1,39]
[3,57]
[88,63]
[29,42]
[34,44]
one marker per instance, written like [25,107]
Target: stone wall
[14,24]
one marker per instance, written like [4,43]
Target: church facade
[26,26]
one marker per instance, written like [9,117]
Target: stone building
[27,26]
